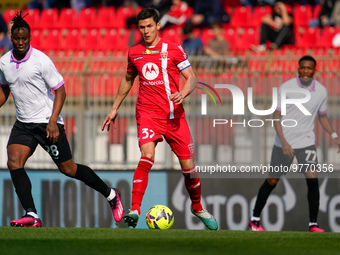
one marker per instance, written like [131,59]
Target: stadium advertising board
[231,201]
[65,202]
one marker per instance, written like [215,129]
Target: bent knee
[14,162]
[69,168]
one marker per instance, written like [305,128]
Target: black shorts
[280,163]
[32,134]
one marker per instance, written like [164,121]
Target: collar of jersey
[154,46]
[28,54]
[310,87]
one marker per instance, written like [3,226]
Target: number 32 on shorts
[147,133]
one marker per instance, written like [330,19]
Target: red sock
[140,182]
[193,186]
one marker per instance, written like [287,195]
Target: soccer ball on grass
[159,217]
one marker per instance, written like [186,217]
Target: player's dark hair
[148,13]
[310,58]
[19,22]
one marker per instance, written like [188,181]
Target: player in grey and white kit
[298,141]
[30,76]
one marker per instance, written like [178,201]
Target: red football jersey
[158,68]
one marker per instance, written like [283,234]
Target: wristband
[334,135]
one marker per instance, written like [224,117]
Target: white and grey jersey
[30,81]
[302,135]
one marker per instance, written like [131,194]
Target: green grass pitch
[83,241]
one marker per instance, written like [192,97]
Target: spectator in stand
[177,15]
[277,28]
[80,4]
[5,42]
[329,13]
[162,7]
[40,4]
[207,11]
[192,44]
[217,46]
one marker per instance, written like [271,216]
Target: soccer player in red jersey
[159,111]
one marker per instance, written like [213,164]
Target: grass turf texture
[82,241]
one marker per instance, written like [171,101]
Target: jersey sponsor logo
[150,71]
[158,82]
[147,51]
[138,58]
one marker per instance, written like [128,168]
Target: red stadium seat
[105,17]
[231,37]
[302,14]
[316,11]
[327,36]
[49,19]
[67,18]
[87,18]
[308,38]
[241,17]
[123,39]
[122,13]
[52,41]
[71,40]
[259,12]
[172,34]
[32,18]
[250,37]
[91,40]
[109,42]
[9,14]
[36,39]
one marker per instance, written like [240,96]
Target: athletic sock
[91,179]
[140,182]
[193,186]
[262,197]
[33,214]
[252,218]
[23,188]
[313,198]
[112,195]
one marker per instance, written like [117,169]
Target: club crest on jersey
[164,54]
[150,71]
[147,51]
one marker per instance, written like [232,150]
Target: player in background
[30,76]
[298,141]
[159,111]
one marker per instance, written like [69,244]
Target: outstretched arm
[123,90]
[4,93]
[328,128]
